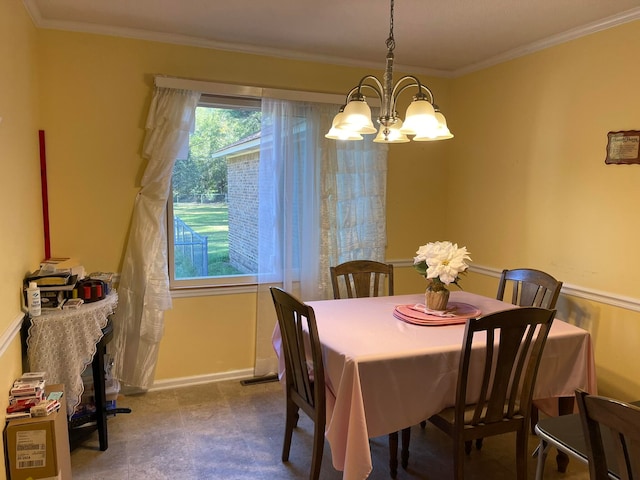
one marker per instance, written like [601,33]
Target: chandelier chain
[391,42]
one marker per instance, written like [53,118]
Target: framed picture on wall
[623,147]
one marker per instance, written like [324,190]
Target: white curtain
[321,202]
[144,284]
[354,205]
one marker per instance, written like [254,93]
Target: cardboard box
[38,448]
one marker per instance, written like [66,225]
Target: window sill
[209,291]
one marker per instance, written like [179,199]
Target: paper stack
[26,392]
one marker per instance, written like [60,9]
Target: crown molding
[603,24]
[573,34]
[189,41]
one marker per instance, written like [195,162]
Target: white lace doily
[62,343]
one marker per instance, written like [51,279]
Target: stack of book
[27,397]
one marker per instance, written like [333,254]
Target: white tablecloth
[384,374]
[62,343]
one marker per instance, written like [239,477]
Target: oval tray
[457,313]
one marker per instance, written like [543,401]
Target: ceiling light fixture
[423,119]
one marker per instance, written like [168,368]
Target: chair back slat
[525,352]
[486,375]
[531,294]
[362,278]
[301,379]
[507,368]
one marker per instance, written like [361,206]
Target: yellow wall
[209,349]
[21,242]
[529,186]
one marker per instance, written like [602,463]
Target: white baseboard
[200,379]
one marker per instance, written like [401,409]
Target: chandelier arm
[358,89]
[399,88]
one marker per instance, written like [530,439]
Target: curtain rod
[230,90]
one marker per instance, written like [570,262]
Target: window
[261,196]
[214,196]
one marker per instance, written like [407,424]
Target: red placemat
[455,313]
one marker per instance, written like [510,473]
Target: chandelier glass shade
[423,119]
[341,134]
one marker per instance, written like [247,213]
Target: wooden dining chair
[502,390]
[368,278]
[606,416]
[362,278]
[304,372]
[530,287]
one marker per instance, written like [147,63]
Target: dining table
[385,373]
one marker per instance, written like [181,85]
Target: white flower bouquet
[441,263]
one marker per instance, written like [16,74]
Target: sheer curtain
[143,294]
[354,205]
[320,202]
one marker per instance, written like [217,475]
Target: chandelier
[423,119]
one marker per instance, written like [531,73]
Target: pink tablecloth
[384,374]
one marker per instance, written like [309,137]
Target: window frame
[207,101]
[211,94]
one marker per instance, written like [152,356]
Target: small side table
[63,343]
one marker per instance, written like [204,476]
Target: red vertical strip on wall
[45,194]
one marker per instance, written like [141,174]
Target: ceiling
[445,38]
